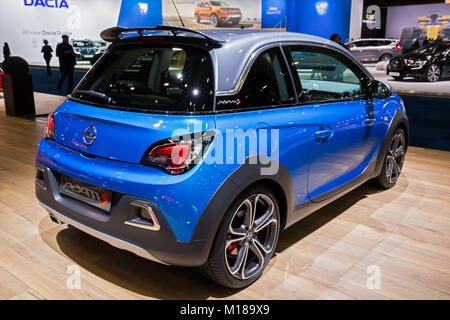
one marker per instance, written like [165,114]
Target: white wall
[25,27]
[356,16]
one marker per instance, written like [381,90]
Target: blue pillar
[292,21]
[320,17]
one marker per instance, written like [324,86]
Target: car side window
[326,75]
[268,84]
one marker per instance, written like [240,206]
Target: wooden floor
[405,232]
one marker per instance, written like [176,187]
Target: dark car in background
[371,50]
[430,63]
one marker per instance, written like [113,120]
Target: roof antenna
[182,23]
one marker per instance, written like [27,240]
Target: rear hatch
[137,95]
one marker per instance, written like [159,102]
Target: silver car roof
[239,47]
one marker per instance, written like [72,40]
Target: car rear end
[121,156]
[392,48]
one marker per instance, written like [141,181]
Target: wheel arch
[400,120]
[280,196]
[246,176]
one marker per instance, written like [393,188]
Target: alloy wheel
[251,238]
[433,73]
[395,157]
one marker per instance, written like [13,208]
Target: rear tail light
[50,128]
[398,46]
[178,155]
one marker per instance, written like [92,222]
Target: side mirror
[380,90]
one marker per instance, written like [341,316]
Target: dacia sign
[47,3]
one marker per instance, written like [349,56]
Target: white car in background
[374,50]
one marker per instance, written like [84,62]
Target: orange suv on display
[217,12]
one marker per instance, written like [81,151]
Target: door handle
[324,135]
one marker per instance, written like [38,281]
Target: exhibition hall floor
[403,233]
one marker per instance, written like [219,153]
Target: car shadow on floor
[319,218]
[154,280]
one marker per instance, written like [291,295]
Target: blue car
[197,148]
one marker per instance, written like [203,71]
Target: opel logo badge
[89,135]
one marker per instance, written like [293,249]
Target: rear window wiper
[94,95]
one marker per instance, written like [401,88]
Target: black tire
[226,250]
[385,57]
[393,160]
[215,20]
[398,78]
[433,73]
[196,18]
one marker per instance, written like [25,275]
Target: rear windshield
[161,78]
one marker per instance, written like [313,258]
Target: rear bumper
[176,205]
[159,246]
[118,243]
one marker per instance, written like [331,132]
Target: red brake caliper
[232,246]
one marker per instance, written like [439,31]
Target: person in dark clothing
[336,38]
[47,51]
[6,51]
[438,40]
[67,61]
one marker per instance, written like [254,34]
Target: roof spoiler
[116,33]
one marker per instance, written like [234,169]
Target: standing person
[336,38]
[47,51]
[67,61]
[6,51]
